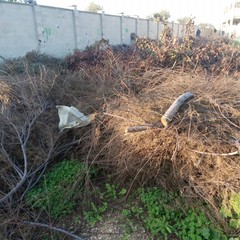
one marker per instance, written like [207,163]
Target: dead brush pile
[193,153]
[5,92]
[198,153]
[214,55]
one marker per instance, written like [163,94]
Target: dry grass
[5,93]
[209,123]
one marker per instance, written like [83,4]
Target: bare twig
[233,124]
[58,229]
[20,117]
[23,137]
[116,116]
[217,154]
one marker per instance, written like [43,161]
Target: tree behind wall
[183,20]
[93,7]
[162,15]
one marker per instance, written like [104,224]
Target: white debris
[71,117]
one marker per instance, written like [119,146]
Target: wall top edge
[80,11]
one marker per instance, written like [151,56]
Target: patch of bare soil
[115,227]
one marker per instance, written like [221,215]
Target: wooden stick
[144,127]
[217,154]
[137,129]
[167,117]
[173,109]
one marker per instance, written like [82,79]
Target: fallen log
[173,109]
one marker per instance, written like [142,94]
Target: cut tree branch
[173,109]
[167,117]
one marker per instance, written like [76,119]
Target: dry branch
[57,229]
[167,117]
[137,129]
[217,154]
[141,128]
[171,112]
[19,119]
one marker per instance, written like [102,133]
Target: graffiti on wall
[47,32]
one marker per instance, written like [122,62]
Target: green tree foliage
[183,20]
[93,7]
[161,16]
[230,210]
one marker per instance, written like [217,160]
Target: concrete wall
[55,30]
[58,31]
[18,33]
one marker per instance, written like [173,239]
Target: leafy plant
[163,214]
[56,192]
[113,191]
[95,213]
[195,225]
[231,210]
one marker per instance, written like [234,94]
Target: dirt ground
[114,227]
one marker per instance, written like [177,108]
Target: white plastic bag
[71,117]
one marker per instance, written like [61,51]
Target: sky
[205,11]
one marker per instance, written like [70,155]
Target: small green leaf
[206,232]
[122,192]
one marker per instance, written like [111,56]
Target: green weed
[95,213]
[195,225]
[231,210]
[56,192]
[164,214]
[113,191]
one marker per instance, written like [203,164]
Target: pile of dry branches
[198,152]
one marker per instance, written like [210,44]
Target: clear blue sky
[205,11]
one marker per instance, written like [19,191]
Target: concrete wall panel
[175,30]
[112,29]
[129,26]
[56,31]
[17,30]
[142,28]
[153,30]
[88,29]
[181,31]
